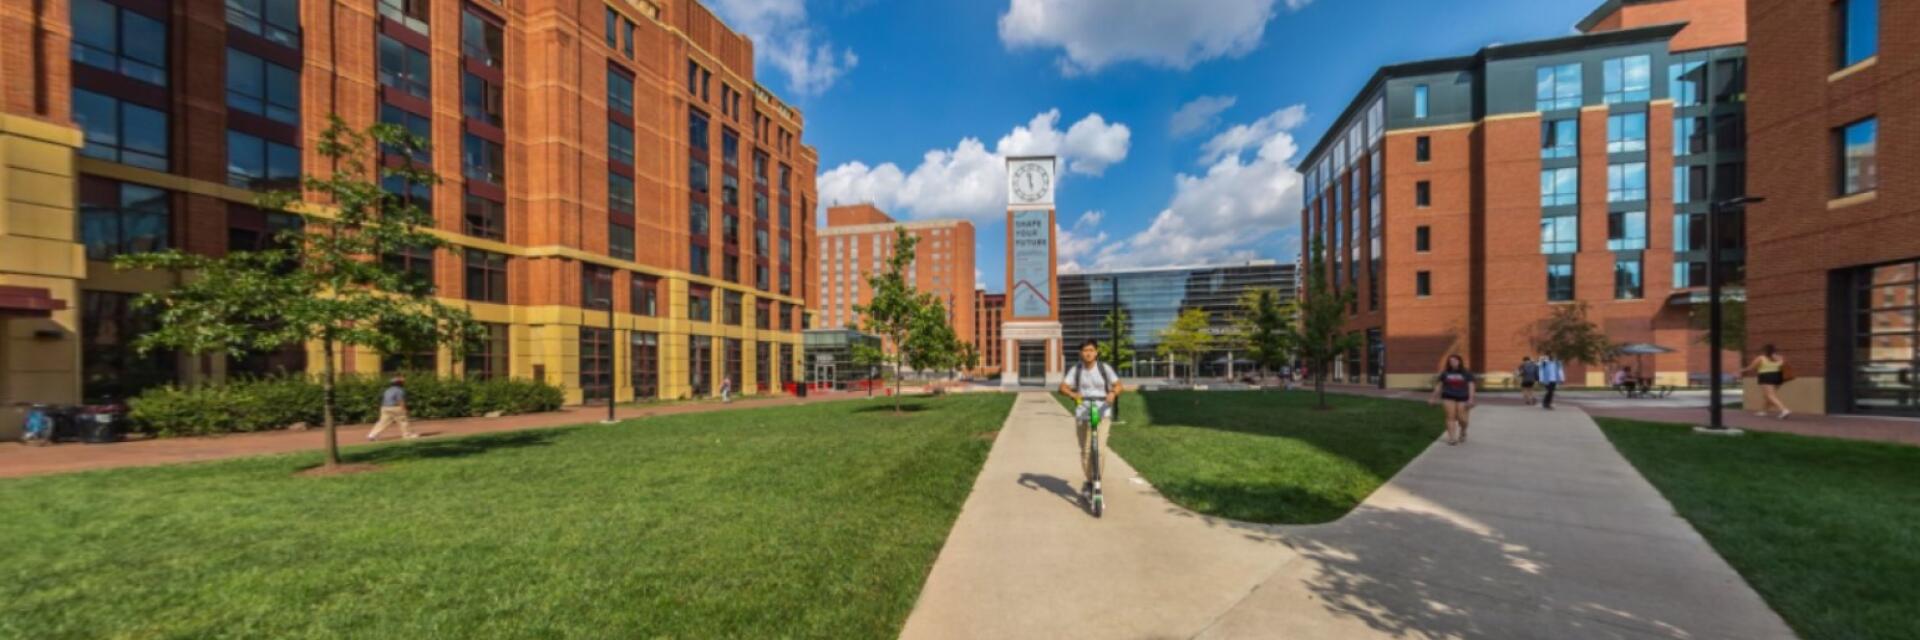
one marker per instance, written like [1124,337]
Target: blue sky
[912,102]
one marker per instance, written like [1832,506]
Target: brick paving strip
[1537,528]
[18,460]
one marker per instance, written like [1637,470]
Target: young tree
[1119,352]
[1261,327]
[1317,339]
[1568,336]
[1188,338]
[325,282]
[931,344]
[969,358]
[894,307]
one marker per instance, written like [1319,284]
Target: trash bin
[101,423]
[63,427]
[800,390]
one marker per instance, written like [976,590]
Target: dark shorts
[1453,398]
[1773,378]
[1526,384]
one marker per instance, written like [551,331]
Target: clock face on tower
[1030,182]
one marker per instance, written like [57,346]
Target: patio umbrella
[1639,350]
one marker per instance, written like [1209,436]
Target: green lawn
[1269,456]
[806,521]
[1827,530]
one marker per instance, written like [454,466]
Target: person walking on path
[1529,375]
[1772,369]
[1453,389]
[726,388]
[1091,378]
[1551,375]
[393,409]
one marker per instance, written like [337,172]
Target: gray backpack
[1103,376]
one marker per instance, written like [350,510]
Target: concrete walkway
[1536,529]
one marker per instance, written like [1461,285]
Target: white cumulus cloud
[1078,243]
[1200,114]
[1247,199]
[968,180]
[1092,34]
[784,37]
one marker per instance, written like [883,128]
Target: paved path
[20,460]
[1536,529]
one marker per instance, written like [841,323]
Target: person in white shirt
[1091,378]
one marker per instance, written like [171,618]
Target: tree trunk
[327,402]
[896,386]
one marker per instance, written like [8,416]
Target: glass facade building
[829,354]
[1150,300]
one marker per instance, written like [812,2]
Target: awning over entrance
[28,302]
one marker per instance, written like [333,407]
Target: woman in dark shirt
[1454,389]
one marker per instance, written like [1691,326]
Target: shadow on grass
[1370,432]
[887,407]
[453,448]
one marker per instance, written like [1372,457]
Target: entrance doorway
[1033,363]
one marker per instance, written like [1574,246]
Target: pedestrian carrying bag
[1786,373]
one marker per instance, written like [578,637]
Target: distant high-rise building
[857,242]
[989,312]
[1150,300]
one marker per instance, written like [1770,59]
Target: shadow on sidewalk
[458,447]
[1052,484]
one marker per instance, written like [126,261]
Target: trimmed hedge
[267,404]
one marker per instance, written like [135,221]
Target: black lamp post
[1114,313]
[1714,334]
[607,303]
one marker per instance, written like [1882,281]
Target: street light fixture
[607,303]
[1714,335]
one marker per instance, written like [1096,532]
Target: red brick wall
[1710,23]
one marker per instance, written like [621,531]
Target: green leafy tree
[1261,328]
[325,282]
[1118,352]
[931,344]
[1568,336]
[1187,338]
[1318,339]
[895,308]
[969,357]
[1733,323]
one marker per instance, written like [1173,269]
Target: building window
[729,147]
[1420,101]
[1627,182]
[619,143]
[1423,238]
[1628,79]
[1560,138]
[414,266]
[1729,180]
[697,129]
[1686,83]
[596,364]
[481,100]
[644,359]
[697,176]
[408,191]
[1560,280]
[111,368]
[250,229]
[729,190]
[700,304]
[1627,231]
[596,287]
[1689,135]
[1859,22]
[730,267]
[480,40]
[1627,133]
[1557,87]
[620,240]
[411,13]
[484,218]
[730,312]
[483,159]
[1423,149]
[262,88]
[697,219]
[486,276]
[1422,193]
[405,68]
[1859,160]
[276,20]
[118,218]
[416,125]
[119,40]
[619,92]
[1423,284]
[729,228]
[489,359]
[645,296]
[1559,187]
[763,316]
[698,260]
[1689,184]
[258,164]
[1626,278]
[1559,235]
[121,132]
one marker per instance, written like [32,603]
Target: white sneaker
[1784,414]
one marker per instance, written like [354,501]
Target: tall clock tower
[1031,349]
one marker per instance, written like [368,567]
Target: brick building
[1836,245]
[597,158]
[857,242]
[989,312]
[1462,199]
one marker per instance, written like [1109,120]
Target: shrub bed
[267,404]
